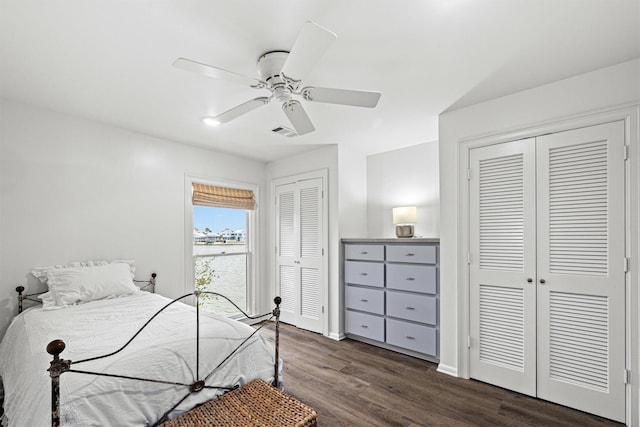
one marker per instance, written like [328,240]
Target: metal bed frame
[58,366]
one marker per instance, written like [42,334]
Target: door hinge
[468,174]
[468,341]
[626,265]
[468,257]
[626,152]
[627,376]
[322,251]
[323,309]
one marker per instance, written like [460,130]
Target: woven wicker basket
[256,404]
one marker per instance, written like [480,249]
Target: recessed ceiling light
[210,121]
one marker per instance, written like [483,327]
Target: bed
[154,358]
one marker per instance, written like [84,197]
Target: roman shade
[222,197]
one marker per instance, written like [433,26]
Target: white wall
[73,189]
[404,177]
[548,104]
[353,196]
[322,158]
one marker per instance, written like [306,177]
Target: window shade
[222,197]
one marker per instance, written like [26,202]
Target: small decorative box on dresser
[391,294]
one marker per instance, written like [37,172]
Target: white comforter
[164,350]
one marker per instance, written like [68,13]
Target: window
[221,254]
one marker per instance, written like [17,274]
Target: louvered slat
[286,230]
[501,217]
[309,222]
[287,288]
[579,340]
[310,289]
[578,209]
[502,326]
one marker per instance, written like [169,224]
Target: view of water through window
[220,258]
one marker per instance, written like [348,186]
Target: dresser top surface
[393,240]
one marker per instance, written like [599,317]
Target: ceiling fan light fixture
[211,121]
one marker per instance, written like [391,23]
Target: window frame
[253,219]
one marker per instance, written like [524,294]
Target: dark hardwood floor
[354,384]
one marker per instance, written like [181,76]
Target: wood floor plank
[350,383]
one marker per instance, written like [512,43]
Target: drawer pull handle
[364,326]
[363,274]
[364,300]
[364,253]
[410,308]
[411,254]
[410,337]
[410,278]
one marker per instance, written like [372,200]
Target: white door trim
[630,114]
[320,173]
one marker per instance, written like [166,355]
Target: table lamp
[404,218]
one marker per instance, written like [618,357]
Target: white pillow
[41,272]
[82,284]
[48,301]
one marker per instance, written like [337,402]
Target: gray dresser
[391,294]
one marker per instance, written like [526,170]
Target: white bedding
[164,350]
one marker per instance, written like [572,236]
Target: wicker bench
[252,405]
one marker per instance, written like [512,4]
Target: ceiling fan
[281,73]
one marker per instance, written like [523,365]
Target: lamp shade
[404,215]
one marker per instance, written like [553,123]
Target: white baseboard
[335,336]
[449,370]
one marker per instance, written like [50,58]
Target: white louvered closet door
[299,259]
[581,283]
[546,268]
[287,274]
[502,251]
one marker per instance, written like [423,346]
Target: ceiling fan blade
[298,117]
[215,72]
[312,42]
[356,98]
[241,109]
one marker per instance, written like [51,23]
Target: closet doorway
[301,238]
[547,303]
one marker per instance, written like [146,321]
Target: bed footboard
[58,366]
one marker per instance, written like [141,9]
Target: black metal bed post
[19,290]
[276,314]
[58,366]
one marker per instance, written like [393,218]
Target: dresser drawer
[419,308]
[364,325]
[364,273]
[371,300]
[416,278]
[420,338]
[364,252]
[412,253]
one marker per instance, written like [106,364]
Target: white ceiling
[110,61]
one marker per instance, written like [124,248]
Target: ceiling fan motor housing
[269,66]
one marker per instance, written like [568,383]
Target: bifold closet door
[581,282]
[299,274]
[502,262]
[547,251]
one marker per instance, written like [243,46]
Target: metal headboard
[150,287]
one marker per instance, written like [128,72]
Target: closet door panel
[299,253]
[310,255]
[581,285]
[287,271]
[502,258]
